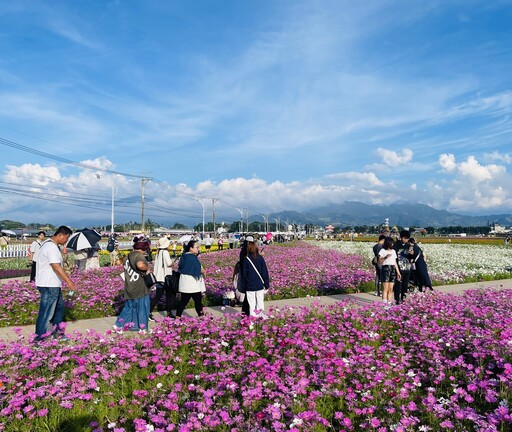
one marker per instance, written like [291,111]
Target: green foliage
[9,224]
[179,226]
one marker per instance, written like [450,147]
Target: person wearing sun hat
[162,267]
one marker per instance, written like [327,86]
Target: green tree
[256,226]
[179,226]
[208,227]
[234,227]
[9,224]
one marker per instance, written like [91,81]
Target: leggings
[185,298]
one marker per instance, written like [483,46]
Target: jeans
[135,314]
[51,310]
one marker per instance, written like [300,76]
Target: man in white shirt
[49,277]
[34,251]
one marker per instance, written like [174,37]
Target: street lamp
[204,210]
[265,219]
[241,219]
[277,224]
[114,192]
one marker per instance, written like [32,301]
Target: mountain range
[352,213]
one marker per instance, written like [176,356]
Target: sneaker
[151,318]
[117,329]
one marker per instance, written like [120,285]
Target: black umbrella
[83,239]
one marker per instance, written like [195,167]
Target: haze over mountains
[352,213]
[349,213]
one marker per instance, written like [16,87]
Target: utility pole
[214,200]
[143,181]
[247,218]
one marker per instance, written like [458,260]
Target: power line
[46,155]
[85,200]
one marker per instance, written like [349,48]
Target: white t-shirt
[48,254]
[34,249]
[388,261]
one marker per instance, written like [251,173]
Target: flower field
[13,267]
[447,263]
[437,363]
[295,270]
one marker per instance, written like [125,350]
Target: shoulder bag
[149,277]
[172,281]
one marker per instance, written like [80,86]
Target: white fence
[21,250]
[15,251]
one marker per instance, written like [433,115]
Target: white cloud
[473,186]
[496,156]
[392,158]
[468,187]
[36,175]
[362,178]
[447,162]
[471,168]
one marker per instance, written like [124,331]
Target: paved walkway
[103,324]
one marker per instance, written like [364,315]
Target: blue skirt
[135,314]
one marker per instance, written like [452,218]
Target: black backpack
[111,245]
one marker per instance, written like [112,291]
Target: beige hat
[163,243]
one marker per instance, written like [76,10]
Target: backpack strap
[256,270]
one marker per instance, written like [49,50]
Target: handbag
[172,282]
[149,279]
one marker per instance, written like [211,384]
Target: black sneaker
[151,317]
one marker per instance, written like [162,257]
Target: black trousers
[33,272]
[170,298]
[245,306]
[400,288]
[378,283]
[198,303]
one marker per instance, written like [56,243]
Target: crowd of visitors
[398,264]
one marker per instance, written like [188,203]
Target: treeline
[469,230]
[12,225]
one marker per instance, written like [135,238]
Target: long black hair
[189,246]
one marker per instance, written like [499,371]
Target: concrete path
[103,324]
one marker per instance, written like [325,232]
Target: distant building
[499,229]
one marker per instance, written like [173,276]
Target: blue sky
[266,105]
